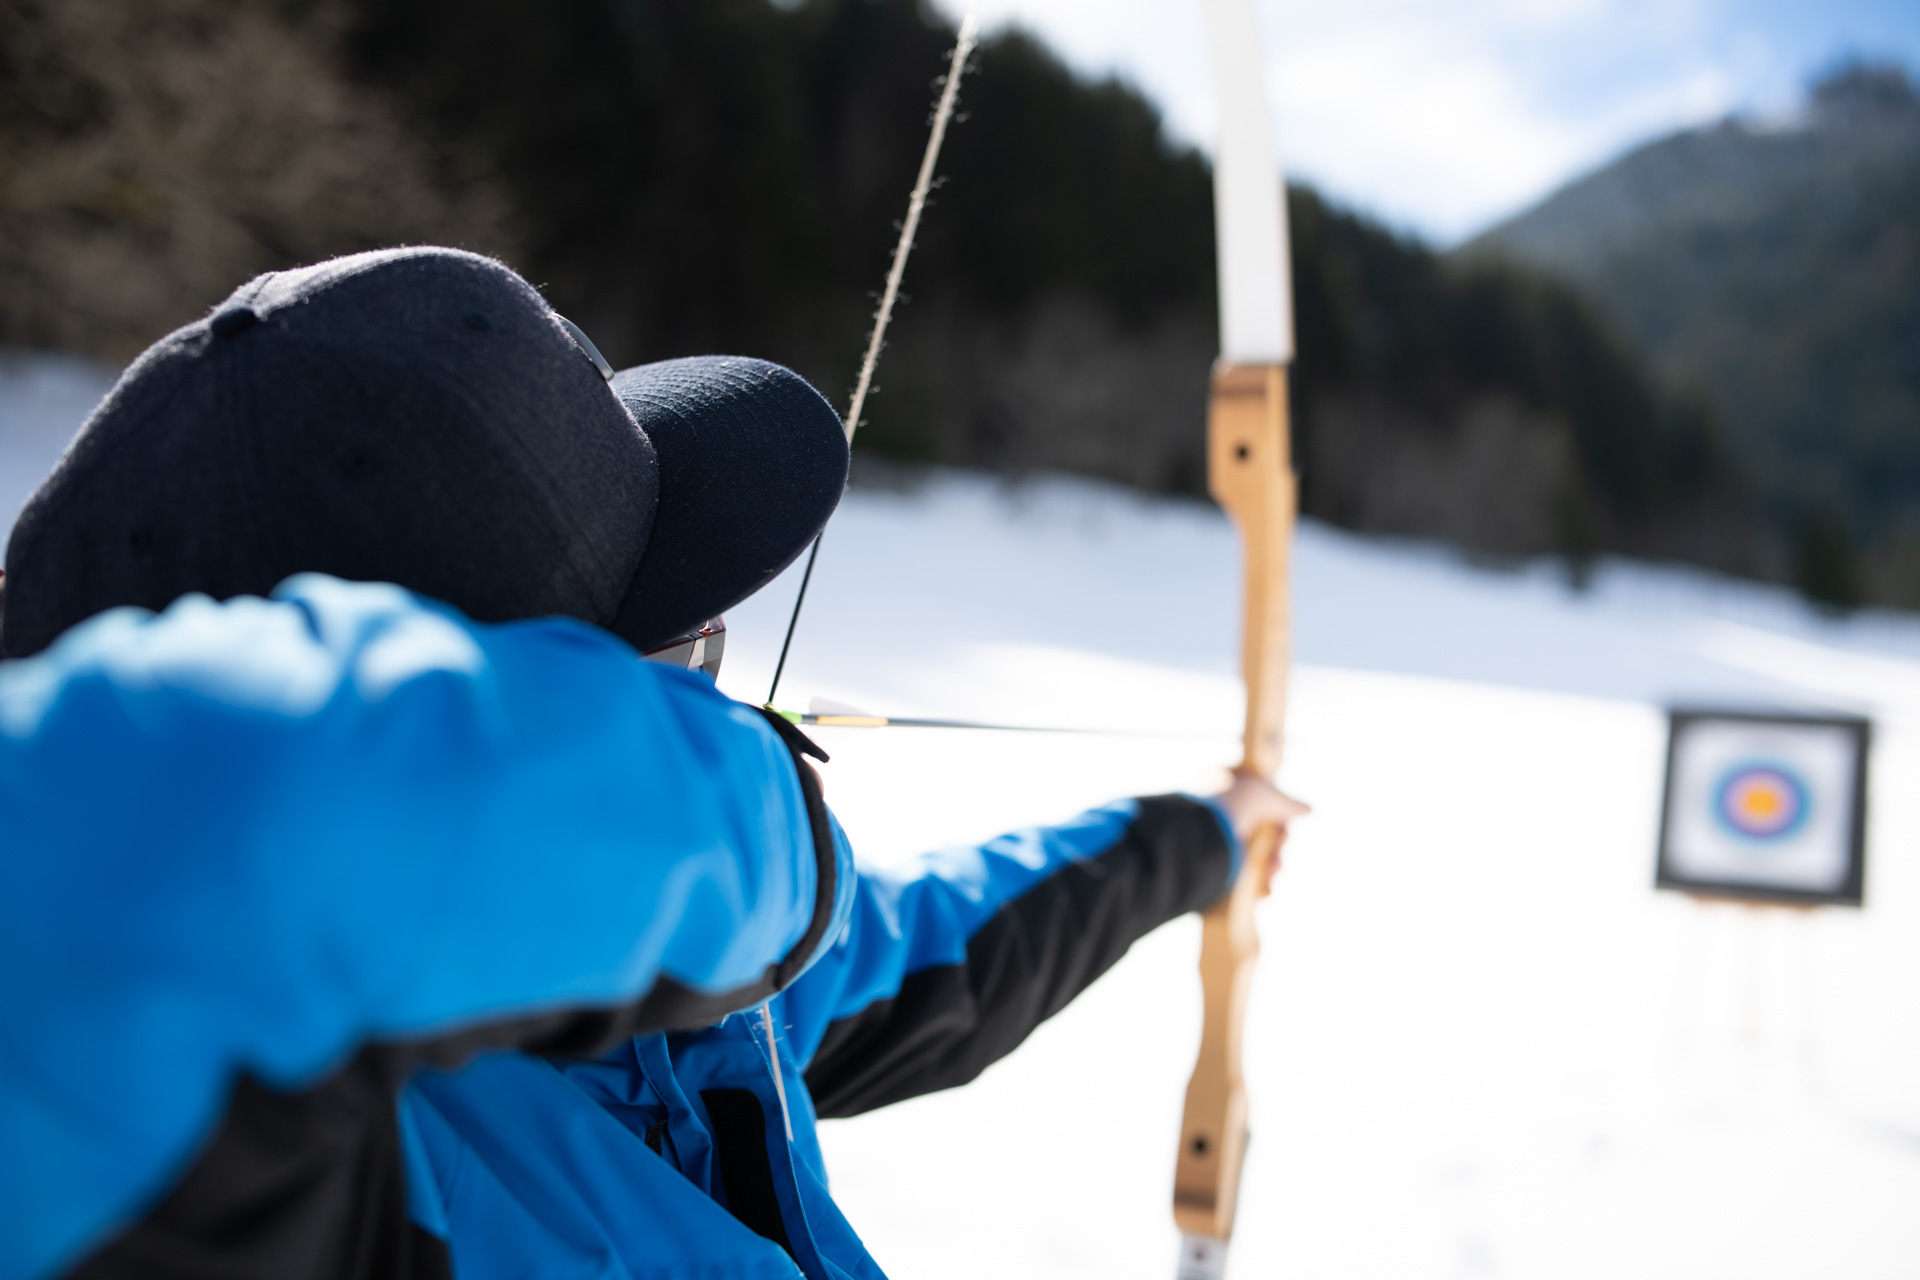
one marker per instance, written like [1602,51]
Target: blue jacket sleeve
[247,837]
[949,965]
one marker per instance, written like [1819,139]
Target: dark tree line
[728,174]
[701,175]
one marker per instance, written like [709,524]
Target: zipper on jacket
[773,1057]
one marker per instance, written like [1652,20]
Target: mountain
[1491,406]
[1776,268]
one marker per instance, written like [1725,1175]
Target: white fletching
[1249,215]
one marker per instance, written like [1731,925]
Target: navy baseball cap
[423,417]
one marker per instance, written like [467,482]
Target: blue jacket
[265,865]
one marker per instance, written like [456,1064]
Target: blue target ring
[1762,801]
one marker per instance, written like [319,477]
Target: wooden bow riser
[1251,476]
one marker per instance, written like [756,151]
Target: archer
[371,908]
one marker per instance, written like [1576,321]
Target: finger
[1279,856]
[1287,808]
[1266,803]
[1255,783]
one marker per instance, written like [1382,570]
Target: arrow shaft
[861,720]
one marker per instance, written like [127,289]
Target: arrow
[838,715]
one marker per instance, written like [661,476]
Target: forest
[727,176]
[1775,265]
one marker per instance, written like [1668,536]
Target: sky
[1444,118]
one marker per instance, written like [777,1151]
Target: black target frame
[1852,889]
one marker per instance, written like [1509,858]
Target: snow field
[1480,1044]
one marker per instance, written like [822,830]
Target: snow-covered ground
[1481,1044]
[43,400]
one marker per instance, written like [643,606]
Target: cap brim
[752,462]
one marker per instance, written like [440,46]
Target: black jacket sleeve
[945,1024]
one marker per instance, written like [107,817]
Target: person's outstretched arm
[243,840]
[950,964]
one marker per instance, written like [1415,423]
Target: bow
[1250,474]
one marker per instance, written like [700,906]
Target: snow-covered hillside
[43,399]
[1481,1044]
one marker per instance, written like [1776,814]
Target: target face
[1765,807]
[1762,801]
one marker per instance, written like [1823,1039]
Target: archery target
[1762,800]
[1764,807]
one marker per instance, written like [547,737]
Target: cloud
[1444,118]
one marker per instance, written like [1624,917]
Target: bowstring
[916,203]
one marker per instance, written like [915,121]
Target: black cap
[423,417]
